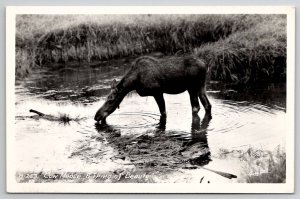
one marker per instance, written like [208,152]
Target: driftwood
[45,116]
[61,118]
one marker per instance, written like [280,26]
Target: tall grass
[139,34]
[24,62]
[237,47]
[255,55]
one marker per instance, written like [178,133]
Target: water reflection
[197,145]
[74,83]
[199,131]
[273,96]
[194,150]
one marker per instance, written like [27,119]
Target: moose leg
[204,100]
[161,104]
[194,102]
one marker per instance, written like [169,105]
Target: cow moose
[149,76]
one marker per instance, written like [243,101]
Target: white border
[13,186]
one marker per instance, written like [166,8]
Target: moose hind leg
[161,104]
[204,100]
[194,102]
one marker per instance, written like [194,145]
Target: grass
[24,62]
[238,48]
[66,118]
[255,55]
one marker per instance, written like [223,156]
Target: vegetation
[257,54]
[238,48]
[275,167]
[259,166]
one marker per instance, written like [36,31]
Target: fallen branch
[61,118]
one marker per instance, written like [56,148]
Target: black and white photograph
[150,99]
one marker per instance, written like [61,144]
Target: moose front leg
[194,102]
[161,104]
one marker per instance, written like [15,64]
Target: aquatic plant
[64,118]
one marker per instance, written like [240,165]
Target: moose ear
[114,84]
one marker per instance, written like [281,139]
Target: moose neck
[123,88]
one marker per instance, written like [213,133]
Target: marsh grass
[66,118]
[238,48]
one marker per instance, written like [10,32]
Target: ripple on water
[131,120]
[232,115]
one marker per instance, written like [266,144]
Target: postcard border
[14,187]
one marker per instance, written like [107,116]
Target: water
[135,135]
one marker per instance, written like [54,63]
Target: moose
[149,76]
